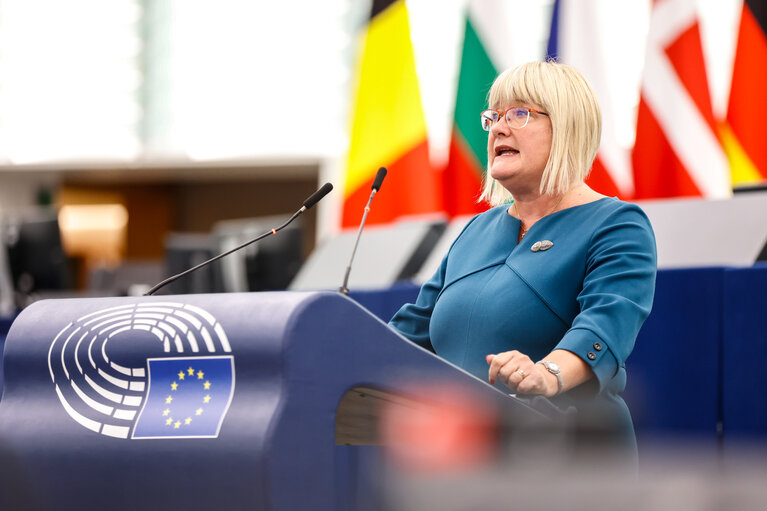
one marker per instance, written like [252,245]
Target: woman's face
[518,156]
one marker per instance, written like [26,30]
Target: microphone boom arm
[343,289]
[308,203]
[380,175]
[219,256]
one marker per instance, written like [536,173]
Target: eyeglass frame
[502,115]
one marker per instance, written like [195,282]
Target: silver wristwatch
[553,368]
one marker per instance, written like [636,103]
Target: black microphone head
[380,175]
[318,195]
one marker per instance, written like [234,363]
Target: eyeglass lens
[516,117]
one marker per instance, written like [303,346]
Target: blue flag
[187,397]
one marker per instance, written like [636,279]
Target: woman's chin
[501,172]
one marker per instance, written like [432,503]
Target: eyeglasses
[517,117]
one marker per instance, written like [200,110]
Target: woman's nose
[500,127]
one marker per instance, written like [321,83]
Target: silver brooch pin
[540,246]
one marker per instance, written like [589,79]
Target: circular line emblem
[193,384]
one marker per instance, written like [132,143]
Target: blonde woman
[545,292]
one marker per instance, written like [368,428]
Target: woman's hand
[518,372]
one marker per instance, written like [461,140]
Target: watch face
[553,367]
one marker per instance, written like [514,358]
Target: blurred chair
[710,232]
[184,251]
[36,259]
[267,265]
[386,254]
[127,279]
[7,303]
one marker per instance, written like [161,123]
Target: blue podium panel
[744,354]
[197,401]
[385,303]
[673,372]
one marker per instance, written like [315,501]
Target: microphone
[380,175]
[316,197]
[307,204]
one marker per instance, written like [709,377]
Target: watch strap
[554,369]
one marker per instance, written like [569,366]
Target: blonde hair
[576,123]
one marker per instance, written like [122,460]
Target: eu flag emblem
[187,397]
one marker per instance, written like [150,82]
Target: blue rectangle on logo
[187,397]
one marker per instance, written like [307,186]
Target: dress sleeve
[616,297]
[413,319]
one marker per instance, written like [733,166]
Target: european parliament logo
[145,371]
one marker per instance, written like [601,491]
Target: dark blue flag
[187,397]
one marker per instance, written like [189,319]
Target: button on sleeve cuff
[595,352]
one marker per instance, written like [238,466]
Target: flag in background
[576,39]
[742,133]
[467,160]
[677,151]
[388,127]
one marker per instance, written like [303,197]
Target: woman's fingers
[497,362]
[511,367]
[518,372]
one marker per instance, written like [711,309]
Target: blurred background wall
[134,119]
[179,114]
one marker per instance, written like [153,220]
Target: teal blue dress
[589,294]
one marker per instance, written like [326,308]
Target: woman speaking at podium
[545,292]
